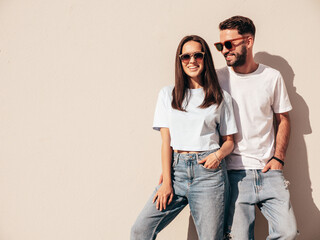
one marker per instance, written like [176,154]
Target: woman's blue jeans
[205,190]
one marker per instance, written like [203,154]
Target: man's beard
[240,58]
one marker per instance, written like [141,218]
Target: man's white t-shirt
[196,129]
[256,97]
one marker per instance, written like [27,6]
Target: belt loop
[178,158]
[197,157]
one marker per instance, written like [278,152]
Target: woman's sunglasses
[185,58]
[228,44]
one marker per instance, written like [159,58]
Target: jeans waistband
[192,156]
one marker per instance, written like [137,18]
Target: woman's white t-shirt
[196,129]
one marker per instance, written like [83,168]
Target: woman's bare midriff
[184,152]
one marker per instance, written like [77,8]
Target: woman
[191,116]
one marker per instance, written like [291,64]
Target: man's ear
[250,41]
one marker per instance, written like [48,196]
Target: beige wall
[78,85]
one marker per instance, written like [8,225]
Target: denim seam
[155,229]
[153,233]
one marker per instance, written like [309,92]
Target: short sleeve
[227,125]
[281,102]
[161,115]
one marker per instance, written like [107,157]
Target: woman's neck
[195,83]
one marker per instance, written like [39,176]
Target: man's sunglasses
[228,44]
[185,58]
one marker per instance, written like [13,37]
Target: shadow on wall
[297,167]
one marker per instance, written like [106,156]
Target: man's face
[236,56]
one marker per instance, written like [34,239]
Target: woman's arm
[165,193]
[213,160]
[226,148]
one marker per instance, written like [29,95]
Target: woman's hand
[211,161]
[160,179]
[214,159]
[163,196]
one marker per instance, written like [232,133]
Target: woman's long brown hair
[210,84]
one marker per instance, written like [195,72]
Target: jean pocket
[210,169]
[276,170]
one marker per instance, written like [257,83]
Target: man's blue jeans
[269,191]
[203,189]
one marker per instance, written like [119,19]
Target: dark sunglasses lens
[219,46]
[198,56]
[228,45]
[185,58]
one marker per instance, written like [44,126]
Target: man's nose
[224,50]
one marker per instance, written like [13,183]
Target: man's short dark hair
[242,24]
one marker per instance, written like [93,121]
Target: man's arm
[283,135]
[282,141]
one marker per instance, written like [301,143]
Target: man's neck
[248,67]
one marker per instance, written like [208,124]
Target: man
[255,166]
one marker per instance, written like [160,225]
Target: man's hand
[272,165]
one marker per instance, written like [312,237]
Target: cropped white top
[197,129]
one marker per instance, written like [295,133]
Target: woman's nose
[192,59]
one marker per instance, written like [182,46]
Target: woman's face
[194,67]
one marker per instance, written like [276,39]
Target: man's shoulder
[226,94]
[221,72]
[267,70]
[223,75]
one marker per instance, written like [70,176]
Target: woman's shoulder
[167,88]
[166,91]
